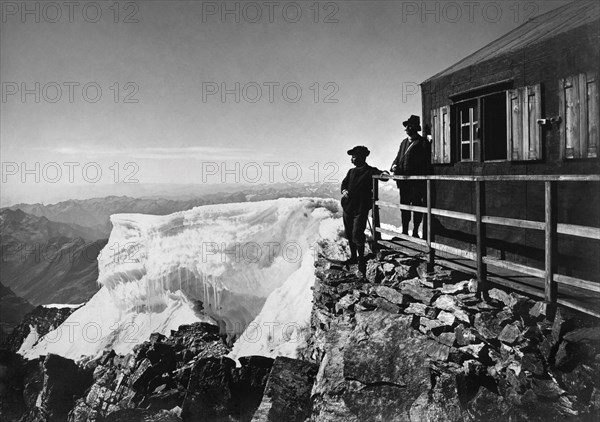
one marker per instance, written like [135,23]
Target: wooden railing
[550,227]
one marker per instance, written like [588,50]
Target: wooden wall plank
[593,115]
[525,134]
[572,118]
[445,132]
[562,107]
[583,116]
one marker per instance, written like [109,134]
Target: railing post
[550,242]
[480,228]
[376,236]
[430,227]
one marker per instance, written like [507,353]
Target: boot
[362,262]
[417,223]
[362,267]
[352,260]
[405,221]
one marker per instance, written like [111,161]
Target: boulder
[420,309]
[437,351]
[382,403]
[287,393]
[392,295]
[540,309]
[446,318]
[434,326]
[384,363]
[447,303]
[441,404]
[12,375]
[379,347]
[387,306]
[142,375]
[510,333]
[344,288]
[475,350]
[464,335]
[388,268]
[209,393]
[487,405]
[487,325]
[502,296]
[447,338]
[546,389]
[462,316]
[374,273]
[418,293]
[406,269]
[63,382]
[533,363]
[346,302]
[328,403]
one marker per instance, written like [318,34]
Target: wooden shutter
[523,109]
[440,128]
[579,113]
[592,114]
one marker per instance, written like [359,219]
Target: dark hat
[359,150]
[413,120]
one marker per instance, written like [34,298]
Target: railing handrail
[500,178]
[550,226]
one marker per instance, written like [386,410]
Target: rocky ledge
[404,345]
[185,376]
[412,345]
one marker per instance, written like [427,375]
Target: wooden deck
[573,297]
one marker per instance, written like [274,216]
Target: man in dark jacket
[414,158]
[357,193]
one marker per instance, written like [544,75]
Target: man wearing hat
[357,193]
[414,158]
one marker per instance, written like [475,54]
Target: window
[468,132]
[579,113]
[500,125]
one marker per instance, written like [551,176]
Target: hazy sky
[78,87]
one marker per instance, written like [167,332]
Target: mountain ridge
[94,212]
[44,261]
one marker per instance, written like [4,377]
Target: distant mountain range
[94,213]
[26,227]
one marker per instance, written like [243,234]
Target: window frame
[523,134]
[474,125]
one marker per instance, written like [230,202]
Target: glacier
[247,267]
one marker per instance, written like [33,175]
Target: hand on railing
[383,176]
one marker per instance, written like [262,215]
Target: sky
[204,92]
